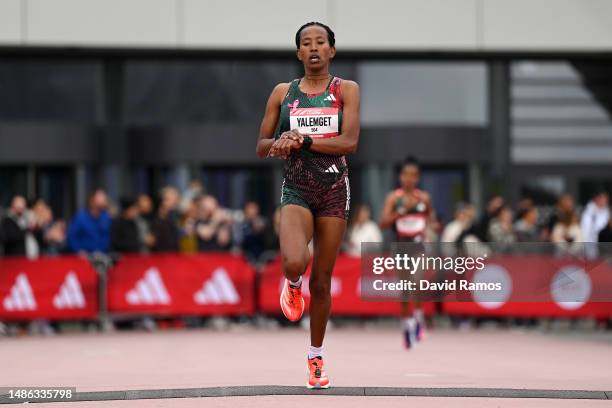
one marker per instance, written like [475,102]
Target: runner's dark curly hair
[331,37]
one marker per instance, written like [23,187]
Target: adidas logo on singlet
[332,169]
[330,97]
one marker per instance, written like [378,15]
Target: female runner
[408,211]
[317,117]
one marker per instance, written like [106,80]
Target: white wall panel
[108,22]
[547,24]
[437,25]
[266,24]
[406,24]
[10,21]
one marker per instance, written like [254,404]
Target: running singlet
[411,225]
[318,116]
[313,180]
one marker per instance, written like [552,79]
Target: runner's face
[409,177]
[315,51]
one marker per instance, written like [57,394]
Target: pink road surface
[292,401]
[354,357]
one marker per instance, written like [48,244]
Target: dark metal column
[499,125]
[115,146]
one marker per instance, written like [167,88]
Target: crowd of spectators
[193,221]
[189,222]
[524,229]
[564,227]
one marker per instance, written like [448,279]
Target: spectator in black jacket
[124,230]
[165,227]
[143,221]
[249,233]
[605,235]
[15,226]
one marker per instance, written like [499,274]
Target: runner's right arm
[270,120]
[389,214]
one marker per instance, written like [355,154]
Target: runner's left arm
[346,141]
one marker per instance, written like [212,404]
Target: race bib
[315,122]
[410,225]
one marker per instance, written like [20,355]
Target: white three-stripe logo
[348,194]
[331,97]
[332,169]
[70,295]
[21,296]
[217,290]
[149,290]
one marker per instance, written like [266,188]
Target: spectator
[125,237]
[90,228]
[595,216]
[249,233]
[501,231]
[143,221]
[605,235]
[567,235]
[524,204]
[433,229]
[164,227]
[55,237]
[460,230]
[212,225]
[565,208]
[188,242]
[526,228]
[50,234]
[15,227]
[481,230]
[195,190]
[271,234]
[464,217]
[362,229]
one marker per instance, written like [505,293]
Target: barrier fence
[94,288]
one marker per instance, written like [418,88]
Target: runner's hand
[283,147]
[293,135]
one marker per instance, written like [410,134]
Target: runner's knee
[294,266]
[320,287]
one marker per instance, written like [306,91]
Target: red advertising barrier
[345,291]
[542,286]
[48,288]
[172,284]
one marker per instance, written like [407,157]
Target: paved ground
[335,402]
[356,357]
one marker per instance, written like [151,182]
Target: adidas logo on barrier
[332,169]
[21,297]
[150,290]
[217,290]
[70,295]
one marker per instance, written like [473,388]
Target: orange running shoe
[292,302]
[317,377]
